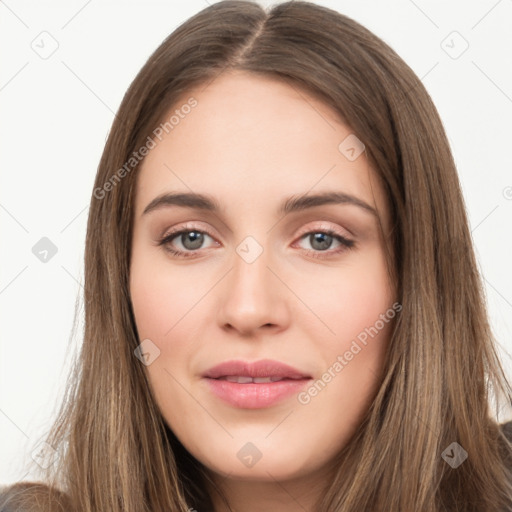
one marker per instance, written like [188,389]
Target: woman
[283,309]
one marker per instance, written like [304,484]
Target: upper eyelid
[324,226]
[186,228]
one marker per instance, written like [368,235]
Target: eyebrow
[292,204]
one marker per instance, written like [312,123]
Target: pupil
[196,240]
[324,241]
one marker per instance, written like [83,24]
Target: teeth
[261,380]
[239,379]
[246,380]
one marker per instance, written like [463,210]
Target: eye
[187,241]
[190,239]
[321,241]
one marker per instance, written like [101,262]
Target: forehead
[250,139]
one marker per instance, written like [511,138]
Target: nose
[253,297]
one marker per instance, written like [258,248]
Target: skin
[252,142]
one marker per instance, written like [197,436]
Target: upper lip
[262,368]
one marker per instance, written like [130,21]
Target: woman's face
[270,270]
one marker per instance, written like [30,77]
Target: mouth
[243,379]
[254,385]
[263,369]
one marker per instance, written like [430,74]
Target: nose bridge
[250,298]
[250,274]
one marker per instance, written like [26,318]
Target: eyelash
[346,244]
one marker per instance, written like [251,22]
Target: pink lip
[255,395]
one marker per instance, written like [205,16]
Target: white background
[56,114]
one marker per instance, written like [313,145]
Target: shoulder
[32,497]
[506,428]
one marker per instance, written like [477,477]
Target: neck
[299,494]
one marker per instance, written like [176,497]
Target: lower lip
[255,396]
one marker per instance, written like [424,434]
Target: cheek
[171,305]
[164,303]
[345,300]
[161,298]
[355,306]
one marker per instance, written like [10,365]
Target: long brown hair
[443,381]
